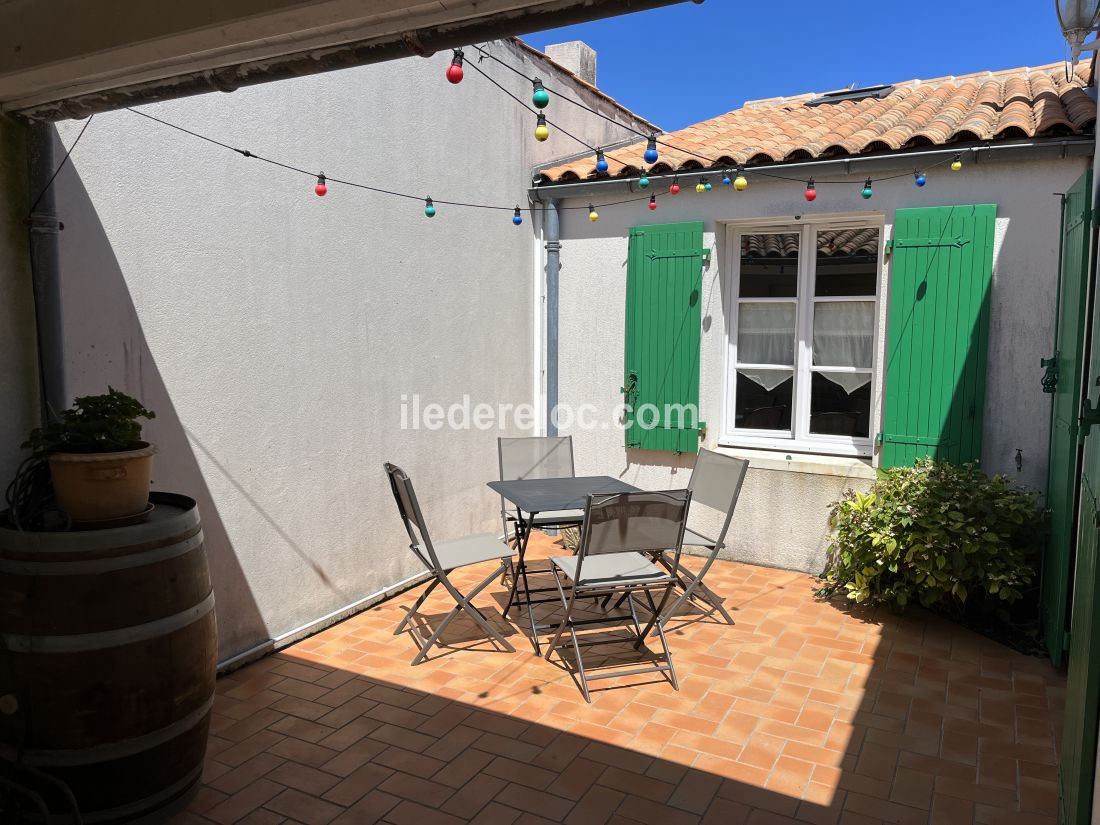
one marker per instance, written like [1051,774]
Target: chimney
[577,56]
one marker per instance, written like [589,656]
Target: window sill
[793,462]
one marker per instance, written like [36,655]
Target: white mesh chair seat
[471,550]
[619,569]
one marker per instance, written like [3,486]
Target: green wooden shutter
[1077,770]
[1063,380]
[940,273]
[664,281]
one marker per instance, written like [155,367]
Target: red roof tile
[989,106]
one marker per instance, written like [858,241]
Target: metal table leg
[523,529]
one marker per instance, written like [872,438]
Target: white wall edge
[328,620]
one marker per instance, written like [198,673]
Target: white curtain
[843,337]
[765,335]
[768,379]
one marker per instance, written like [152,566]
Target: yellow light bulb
[700,188]
[541,132]
[593,216]
[956,165]
[740,184]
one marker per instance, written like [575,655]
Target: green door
[1063,379]
[941,268]
[1078,769]
[663,322]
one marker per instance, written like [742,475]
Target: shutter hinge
[1090,416]
[919,440]
[631,383]
[907,243]
[654,255]
[878,440]
[1050,377]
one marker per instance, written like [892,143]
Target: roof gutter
[1060,147]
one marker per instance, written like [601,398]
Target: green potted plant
[100,467]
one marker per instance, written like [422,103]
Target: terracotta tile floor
[803,712]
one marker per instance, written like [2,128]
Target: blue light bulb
[919,179]
[651,150]
[517,218]
[601,161]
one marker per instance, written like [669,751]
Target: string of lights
[322,180]
[540,99]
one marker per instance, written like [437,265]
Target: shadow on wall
[106,346]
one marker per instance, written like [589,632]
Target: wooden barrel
[108,642]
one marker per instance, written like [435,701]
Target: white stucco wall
[782,515]
[275,332]
[18,365]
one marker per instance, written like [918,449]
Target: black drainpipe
[45,256]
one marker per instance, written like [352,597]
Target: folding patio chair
[715,486]
[618,529]
[443,558]
[536,457]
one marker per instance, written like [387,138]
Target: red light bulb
[652,202]
[811,192]
[454,71]
[674,189]
[321,188]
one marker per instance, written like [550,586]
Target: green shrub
[939,534]
[571,538]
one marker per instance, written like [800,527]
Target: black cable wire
[60,166]
[485,53]
[588,146]
[472,205]
[587,108]
[717,163]
[328,178]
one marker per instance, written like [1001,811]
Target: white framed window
[802,310]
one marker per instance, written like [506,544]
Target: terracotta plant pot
[98,486]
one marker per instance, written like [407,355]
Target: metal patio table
[542,495]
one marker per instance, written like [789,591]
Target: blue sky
[685,63]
